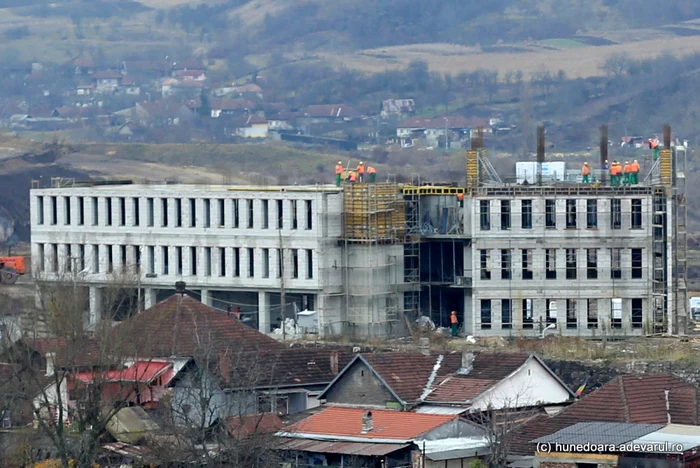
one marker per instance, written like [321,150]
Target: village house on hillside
[447,383]
[398,108]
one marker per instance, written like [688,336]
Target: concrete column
[149,298]
[228,213]
[264,312]
[205,298]
[62,258]
[95,295]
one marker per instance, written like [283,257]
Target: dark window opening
[526,214]
[484,264]
[616,213]
[54,210]
[571,214]
[122,211]
[151,211]
[591,213]
[193,212]
[637,313]
[235,213]
[637,264]
[571,313]
[222,261]
[294,213]
[207,213]
[636,222]
[222,212]
[571,264]
[309,214]
[137,212]
[506,314]
[505,214]
[251,214]
[40,210]
[266,263]
[309,264]
[66,218]
[207,261]
[193,260]
[178,251]
[485,214]
[164,215]
[236,261]
[295,263]
[164,253]
[550,214]
[108,202]
[527,264]
[592,263]
[486,314]
[265,213]
[251,262]
[280,214]
[110,259]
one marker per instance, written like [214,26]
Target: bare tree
[617,64]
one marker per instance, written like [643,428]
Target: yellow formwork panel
[472,169]
[373,212]
[432,190]
[665,166]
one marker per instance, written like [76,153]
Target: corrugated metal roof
[345,448]
[457,454]
[429,409]
[676,438]
[599,433]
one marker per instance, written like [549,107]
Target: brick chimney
[225,366]
[334,362]
[467,363]
[367,422]
[424,345]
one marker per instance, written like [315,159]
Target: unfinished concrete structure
[512,259]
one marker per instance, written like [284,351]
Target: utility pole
[282,298]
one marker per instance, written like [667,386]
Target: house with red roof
[449,383]
[433,129]
[335,436]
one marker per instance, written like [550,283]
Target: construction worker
[628,172]
[361,171]
[634,176]
[612,171]
[654,145]
[454,323]
[237,313]
[352,177]
[372,174]
[460,200]
[615,173]
[338,173]
[585,172]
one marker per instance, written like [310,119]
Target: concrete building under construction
[512,259]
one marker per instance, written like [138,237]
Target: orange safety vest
[460,196]
[628,168]
[353,177]
[453,319]
[618,169]
[370,170]
[338,168]
[653,144]
[360,168]
[613,169]
[634,167]
[585,170]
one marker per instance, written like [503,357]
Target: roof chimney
[50,364]
[180,287]
[367,422]
[668,406]
[334,362]
[424,345]
[467,363]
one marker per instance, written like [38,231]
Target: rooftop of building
[129,186]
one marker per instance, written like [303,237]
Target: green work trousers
[454,329]
[634,178]
[372,177]
[656,153]
[584,179]
[337,180]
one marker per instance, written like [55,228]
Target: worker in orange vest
[460,199]
[338,173]
[628,172]
[585,172]
[454,323]
[372,174]
[654,145]
[615,173]
[361,171]
[352,177]
[634,175]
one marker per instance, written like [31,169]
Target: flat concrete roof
[195,187]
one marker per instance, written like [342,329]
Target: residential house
[84,90]
[231,107]
[167,86]
[131,131]
[449,383]
[130,85]
[646,399]
[283,120]
[144,68]
[249,126]
[157,114]
[81,66]
[398,108]
[358,437]
[107,81]
[187,67]
[433,130]
[326,113]
[620,444]
[249,91]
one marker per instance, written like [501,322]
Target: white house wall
[531,385]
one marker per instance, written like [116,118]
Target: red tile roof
[107,75]
[347,422]
[487,370]
[189,64]
[625,399]
[243,427]
[82,352]
[142,371]
[181,325]
[407,373]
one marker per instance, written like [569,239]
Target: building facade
[578,260]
